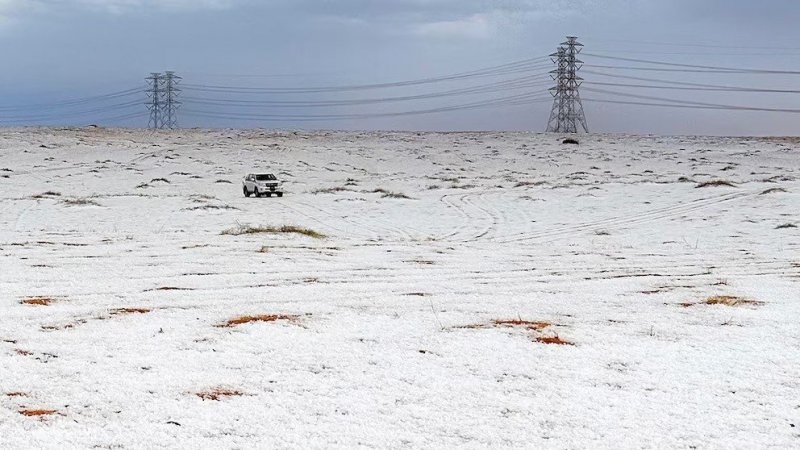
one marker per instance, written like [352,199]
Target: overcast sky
[65,49]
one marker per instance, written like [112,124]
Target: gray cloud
[72,48]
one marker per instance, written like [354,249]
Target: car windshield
[265,177]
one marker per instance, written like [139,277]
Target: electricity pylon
[155,81]
[567,113]
[171,103]
[163,104]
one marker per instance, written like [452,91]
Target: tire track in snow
[653,215]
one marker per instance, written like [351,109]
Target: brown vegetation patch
[729,300]
[37,412]
[217,393]
[16,394]
[527,324]
[37,301]
[552,340]
[417,294]
[120,311]
[22,352]
[715,183]
[171,288]
[246,229]
[258,318]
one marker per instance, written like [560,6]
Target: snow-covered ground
[391,336]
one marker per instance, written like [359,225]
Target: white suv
[262,184]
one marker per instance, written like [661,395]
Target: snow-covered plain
[609,243]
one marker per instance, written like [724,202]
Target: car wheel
[269,194]
[256,193]
[246,193]
[280,194]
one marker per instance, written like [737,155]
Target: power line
[695,66]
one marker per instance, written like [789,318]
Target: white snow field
[526,294]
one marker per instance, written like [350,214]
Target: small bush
[786,225]
[163,180]
[47,194]
[773,190]
[570,141]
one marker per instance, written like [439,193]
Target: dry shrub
[786,225]
[247,229]
[22,352]
[171,288]
[773,190]
[37,412]
[37,301]
[417,294]
[120,311]
[715,183]
[263,249]
[552,340]
[259,318]
[217,393]
[16,394]
[729,300]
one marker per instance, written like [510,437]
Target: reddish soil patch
[37,412]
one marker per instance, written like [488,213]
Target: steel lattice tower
[155,81]
[567,113]
[171,103]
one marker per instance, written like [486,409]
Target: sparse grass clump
[552,340]
[530,325]
[772,191]
[163,180]
[330,190]
[714,183]
[37,301]
[247,229]
[389,194]
[121,311]
[786,225]
[79,202]
[217,393]
[729,300]
[241,320]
